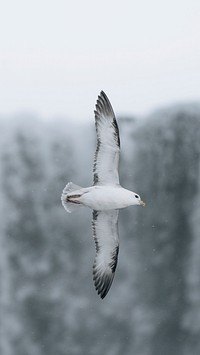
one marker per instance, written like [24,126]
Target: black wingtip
[105,97]
[103,295]
[103,104]
[102,282]
[102,93]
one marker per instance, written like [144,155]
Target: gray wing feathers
[106,159]
[105,232]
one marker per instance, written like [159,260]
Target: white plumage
[105,197]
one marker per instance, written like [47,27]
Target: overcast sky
[55,56]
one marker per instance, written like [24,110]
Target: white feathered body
[103,198]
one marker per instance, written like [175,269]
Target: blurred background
[55,57]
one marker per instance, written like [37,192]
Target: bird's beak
[142,203]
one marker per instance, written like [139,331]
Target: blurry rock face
[47,299]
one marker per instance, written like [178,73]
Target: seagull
[106,197]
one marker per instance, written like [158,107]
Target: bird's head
[137,200]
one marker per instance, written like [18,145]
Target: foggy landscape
[47,299]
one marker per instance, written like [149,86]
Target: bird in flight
[106,197]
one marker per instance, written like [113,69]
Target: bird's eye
[136,196]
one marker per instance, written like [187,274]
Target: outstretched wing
[106,160]
[105,232]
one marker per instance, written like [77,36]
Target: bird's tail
[69,200]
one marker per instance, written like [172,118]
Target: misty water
[48,303]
